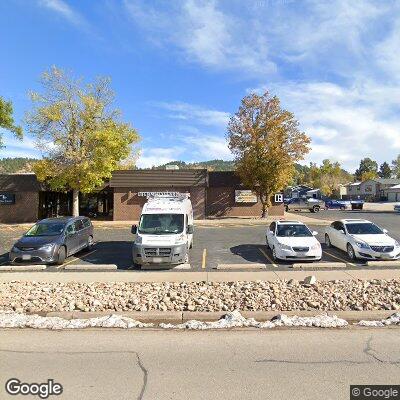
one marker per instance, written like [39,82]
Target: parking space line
[203,260]
[74,259]
[339,258]
[268,257]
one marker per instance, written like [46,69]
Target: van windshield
[160,224]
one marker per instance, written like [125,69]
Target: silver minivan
[52,240]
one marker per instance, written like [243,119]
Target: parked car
[337,205]
[293,240]
[362,239]
[298,204]
[397,208]
[357,204]
[51,240]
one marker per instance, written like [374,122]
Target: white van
[165,231]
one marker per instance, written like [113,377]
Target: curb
[157,317]
[198,276]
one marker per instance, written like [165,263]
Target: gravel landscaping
[31,297]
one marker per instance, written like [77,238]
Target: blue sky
[180,68]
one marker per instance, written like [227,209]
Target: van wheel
[90,243]
[62,254]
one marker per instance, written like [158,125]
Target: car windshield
[363,229]
[159,224]
[290,230]
[45,229]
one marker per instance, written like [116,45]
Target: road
[240,244]
[235,364]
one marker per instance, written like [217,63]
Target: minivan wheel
[327,241]
[350,252]
[62,254]
[90,243]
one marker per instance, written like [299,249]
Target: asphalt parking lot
[239,245]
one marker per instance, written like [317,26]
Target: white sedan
[362,239]
[293,240]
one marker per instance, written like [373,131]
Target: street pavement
[231,364]
[214,243]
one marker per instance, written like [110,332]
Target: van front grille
[157,251]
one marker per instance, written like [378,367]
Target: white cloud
[194,113]
[345,123]
[65,10]
[205,34]
[208,147]
[150,157]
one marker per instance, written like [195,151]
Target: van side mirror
[190,229]
[134,229]
[341,231]
[314,233]
[385,231]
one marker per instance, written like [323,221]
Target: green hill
[211,165]
[15,165]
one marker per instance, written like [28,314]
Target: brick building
[213,194]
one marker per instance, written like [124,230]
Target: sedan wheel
[350,252]
[274,257]
[316,209]
[328,241]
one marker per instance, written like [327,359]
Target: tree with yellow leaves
[79,133]
[266,142]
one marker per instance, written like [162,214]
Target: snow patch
[15,320]
[394,319]
[234,320]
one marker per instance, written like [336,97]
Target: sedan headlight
[138,240]
[15,249]
[362,245]
[396,244]
[284,246]
[316,246]
[47,247]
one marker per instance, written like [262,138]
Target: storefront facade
[214,194]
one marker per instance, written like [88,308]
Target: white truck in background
[164,234]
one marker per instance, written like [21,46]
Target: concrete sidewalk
[203,276]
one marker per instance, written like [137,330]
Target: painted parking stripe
[203,260]
[74,259]
[268,257]
[339,258]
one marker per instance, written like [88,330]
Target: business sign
[245,196]
[278,198]
[7,198]
[162,194]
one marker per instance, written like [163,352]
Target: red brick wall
[128,205]
[25,209]
[221,203]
